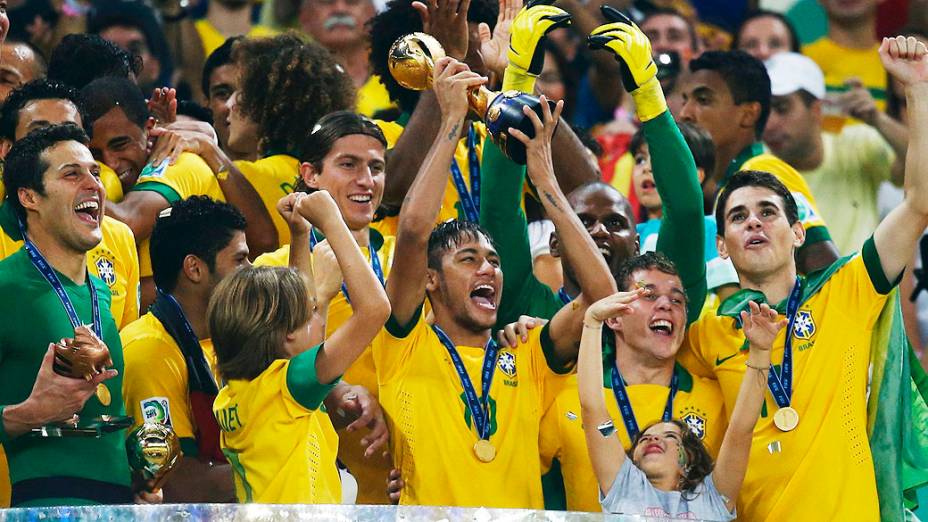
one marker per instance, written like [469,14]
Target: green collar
[753,150]
[8,221]
[403,120]
[684,379]
[376,237]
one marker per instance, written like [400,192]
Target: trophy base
[505,111]
[95,427]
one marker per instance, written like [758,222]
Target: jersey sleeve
[190,176]
[129,258]
[303,384]
[862,284]
[395,344]
[502,216]
[155,384]
[682,230]
[809,215]
[391,131]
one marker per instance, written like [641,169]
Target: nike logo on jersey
[718,362]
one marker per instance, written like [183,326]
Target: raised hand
[761,326]
[529,30]
[614,305]
[163,105]
[320,209]
[629,45]
[513,333]
[538,147]
[446,20]
[286,207]
[451,81]
[905,59]
[495,46]
[328,275]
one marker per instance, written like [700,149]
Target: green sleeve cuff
[547,347]
[153,186]
[189,447]
[816,235]
[4,437]
[303,383]
[400,331]
[875,268]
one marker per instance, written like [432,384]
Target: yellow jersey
[110,183]
[451,201]
[698,403]
[371,473]
[273,177]
[839,64]
[155,384]
[211,38]
[190,176]
[831,354]
[277,436]
[432,435]
[373,97]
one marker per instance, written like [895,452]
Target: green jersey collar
[753,150]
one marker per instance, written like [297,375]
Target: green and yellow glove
[632,49]
[526,50]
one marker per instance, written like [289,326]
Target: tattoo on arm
[453,135]
[551,200]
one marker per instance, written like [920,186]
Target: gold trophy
[153,450]
[83,357]
[411,60]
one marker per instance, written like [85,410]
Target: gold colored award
[411,61]
[786,419]
[153,450]
[103,394]
[484,451]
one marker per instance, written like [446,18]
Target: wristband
[758,368]
[649,100]
[516,78]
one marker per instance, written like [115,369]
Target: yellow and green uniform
[211,38]
[373,97]
[273,177]
[451,201]
[753,157]
[189,176]
[839,64]
[698,403]
[432,434]
[823,469]
[277,436]
[111,183]
[371,473]
[155,387]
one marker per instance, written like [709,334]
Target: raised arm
[760,328]
[578,247]
[602,443]
[301,260]
[895,237]
[406,284]
[368,299]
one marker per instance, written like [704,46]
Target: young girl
[668,472]
[281,445]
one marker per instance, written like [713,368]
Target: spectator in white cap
[843,169]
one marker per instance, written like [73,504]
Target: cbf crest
[804,326]
[696,422]
[507,363]
[106,271]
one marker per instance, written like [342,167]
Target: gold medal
[484,451]
[103,394]
[786,419]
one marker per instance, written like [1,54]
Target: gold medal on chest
[484,451]
[786,419]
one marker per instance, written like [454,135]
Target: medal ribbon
[781,385]
[479,406]
[41,264]
[470,200]
[375,262]
[625,405]
[562,295]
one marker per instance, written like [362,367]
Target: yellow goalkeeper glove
[526,43]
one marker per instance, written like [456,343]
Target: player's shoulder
[191,164]
[144,333]
[279,257]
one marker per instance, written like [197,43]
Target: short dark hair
[140,16]
[333,126]
[24,166]
[399,19]
[81,58]
[449,235]
[221,56]
[287,84]
[104,94]
[668,11]
[196,226]
[646,261]
[755,178]
[745,76]
[794,45]
[698,461]
[40,89]
[194,110]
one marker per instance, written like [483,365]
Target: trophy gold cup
[153,450]
[82,357]
[411,60]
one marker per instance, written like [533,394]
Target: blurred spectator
[20,63]
[765,33]
[340,26]
[849,51]
[133,27]
[844,170]
[220,80]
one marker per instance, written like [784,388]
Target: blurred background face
[791,126]
[764,37]
[18,65]
[668,33]
[132,39]
[222,83]
[849,11]
[550,81]
[336,23]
